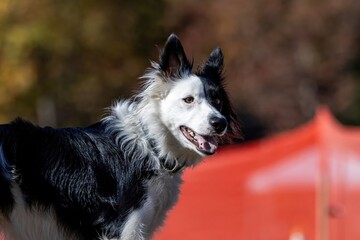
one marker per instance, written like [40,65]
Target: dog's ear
[212,70]
[215,61]
[173,61]
[213,67]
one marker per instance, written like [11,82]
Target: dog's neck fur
[132,119]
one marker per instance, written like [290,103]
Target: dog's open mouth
[204,144]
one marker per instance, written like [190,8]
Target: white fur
[162,110]
[162,195]
[31,224]
[175,112]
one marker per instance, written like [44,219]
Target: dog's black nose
[218,123]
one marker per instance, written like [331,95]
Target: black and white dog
[117,178]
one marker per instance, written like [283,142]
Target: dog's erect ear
[213,67]
[173,60]
[215,61]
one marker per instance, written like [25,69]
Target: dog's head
[195,108]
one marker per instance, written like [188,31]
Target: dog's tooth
[192,134]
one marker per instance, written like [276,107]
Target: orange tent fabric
[302,184]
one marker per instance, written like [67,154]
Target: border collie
[117,178]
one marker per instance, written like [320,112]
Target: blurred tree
[64,61]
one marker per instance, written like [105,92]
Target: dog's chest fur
[162,194]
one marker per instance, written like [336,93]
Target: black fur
[211,74]
[91,191]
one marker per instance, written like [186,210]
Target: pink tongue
[208,144]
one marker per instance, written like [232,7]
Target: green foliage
[78,55]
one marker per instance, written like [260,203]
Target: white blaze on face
[175,112]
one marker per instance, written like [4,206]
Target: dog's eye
[189,99]
[217,102]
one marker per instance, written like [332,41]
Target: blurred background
[63,62]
